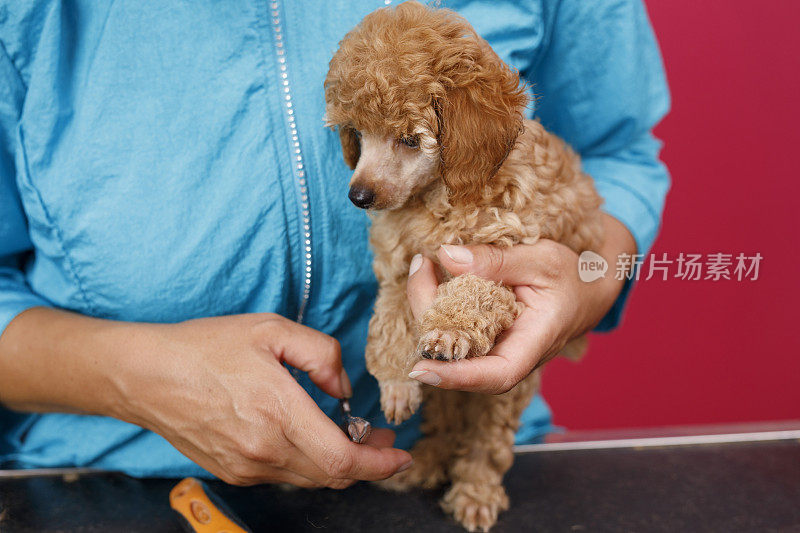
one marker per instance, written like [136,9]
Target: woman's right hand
[224,399]
[215,388]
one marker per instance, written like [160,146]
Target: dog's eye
[357,133]
[412,141]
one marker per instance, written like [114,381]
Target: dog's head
[420,98]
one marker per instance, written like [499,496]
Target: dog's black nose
[361,196]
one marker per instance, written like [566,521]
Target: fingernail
[425,376]
[405,466]
[347,388]
[416,262]
[458,254]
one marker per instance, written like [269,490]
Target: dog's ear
[351,145]
[480,118]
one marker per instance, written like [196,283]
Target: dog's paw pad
[474,505]
[400,399]
[444,345]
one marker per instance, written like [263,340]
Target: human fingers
[310,351]
[421,285]
[327,446]
[521,264]
[510,361]
[381,438]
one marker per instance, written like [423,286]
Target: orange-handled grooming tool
[201,510]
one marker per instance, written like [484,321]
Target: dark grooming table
[624,485]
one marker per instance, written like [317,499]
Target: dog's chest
[424,231]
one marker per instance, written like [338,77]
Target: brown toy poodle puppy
[431,121]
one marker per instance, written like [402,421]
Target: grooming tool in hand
[356,427]
[201,510]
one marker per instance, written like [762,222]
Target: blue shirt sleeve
[15,295]
[600,85]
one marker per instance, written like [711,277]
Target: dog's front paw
[445,345]
[400,399]
[475,505]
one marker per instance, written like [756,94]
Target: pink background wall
[701,351]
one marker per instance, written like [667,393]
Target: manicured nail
[458,254]
[405,466]
[425,376]
[416,262]
[347,388]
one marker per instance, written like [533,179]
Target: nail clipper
[355,427]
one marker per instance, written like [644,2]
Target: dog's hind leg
[484,453]
[465,319]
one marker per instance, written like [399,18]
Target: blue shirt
[166,160]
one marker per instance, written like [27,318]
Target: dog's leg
[390,353]
[465,319]
[434,451]
[484,453]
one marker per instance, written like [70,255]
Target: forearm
[52,360]
[604,291]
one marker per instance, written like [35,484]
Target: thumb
[421,286]
[521,264]
[314,352]
[483,260]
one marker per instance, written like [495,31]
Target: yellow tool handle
[201,511]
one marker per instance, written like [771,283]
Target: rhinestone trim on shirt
[297,154]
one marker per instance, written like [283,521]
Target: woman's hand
[558,306]
[215,388]
[233,408]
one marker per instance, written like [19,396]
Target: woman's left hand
[558,306]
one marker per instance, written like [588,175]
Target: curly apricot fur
[501,180]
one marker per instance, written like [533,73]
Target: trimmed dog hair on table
[431,121]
